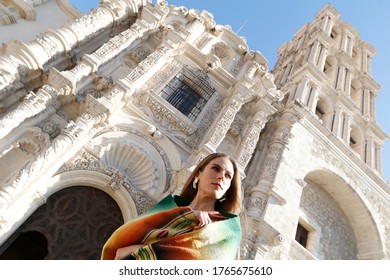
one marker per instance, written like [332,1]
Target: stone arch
[365,228]
[76,221]
[97,180]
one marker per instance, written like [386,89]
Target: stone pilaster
[277,145]
[223,121]
[251,137]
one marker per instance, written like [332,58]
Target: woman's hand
[203,218]
[123,252]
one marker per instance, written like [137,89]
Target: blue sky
[267,25]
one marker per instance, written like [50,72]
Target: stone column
[286,73]
[55,43]
[315,52]
[366,101]
[301,91]
[322,58]
[313,98]
[91,62]
[350,46]
[337,121]
[370,156]
[325,24]
[378,160]
[346,44]
[276,146]
[346,127]
[329,26]
[340,82]
[348,82]
[365,62]
[372,105]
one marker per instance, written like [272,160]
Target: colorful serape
[167,230]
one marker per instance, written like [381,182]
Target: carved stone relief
[18,157]
[148,178]
[86,161]
[100,86]
[132,162]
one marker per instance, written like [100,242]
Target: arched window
[330,67]
[357,142]
[324,110]
[357,55]
[356,94]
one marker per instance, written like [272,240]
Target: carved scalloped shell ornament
[132,161]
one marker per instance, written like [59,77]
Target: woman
[201,223]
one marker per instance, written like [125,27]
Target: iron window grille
[188,92]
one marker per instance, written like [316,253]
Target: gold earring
[194,183]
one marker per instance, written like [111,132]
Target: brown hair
[232,203]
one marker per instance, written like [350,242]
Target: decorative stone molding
[322,151]
[161,77]
[226,117]
[168,119]
[255,206]
[194,140]
[75,133]
[33,104]
[85,161]
[100,86]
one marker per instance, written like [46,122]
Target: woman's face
[215,178]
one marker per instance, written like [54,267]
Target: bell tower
[326,68]
[314,186]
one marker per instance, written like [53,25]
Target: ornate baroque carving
[86,161]
[152,142]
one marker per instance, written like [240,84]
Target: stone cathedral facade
[108,113]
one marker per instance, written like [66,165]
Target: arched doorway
[75,221]
[31,245]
